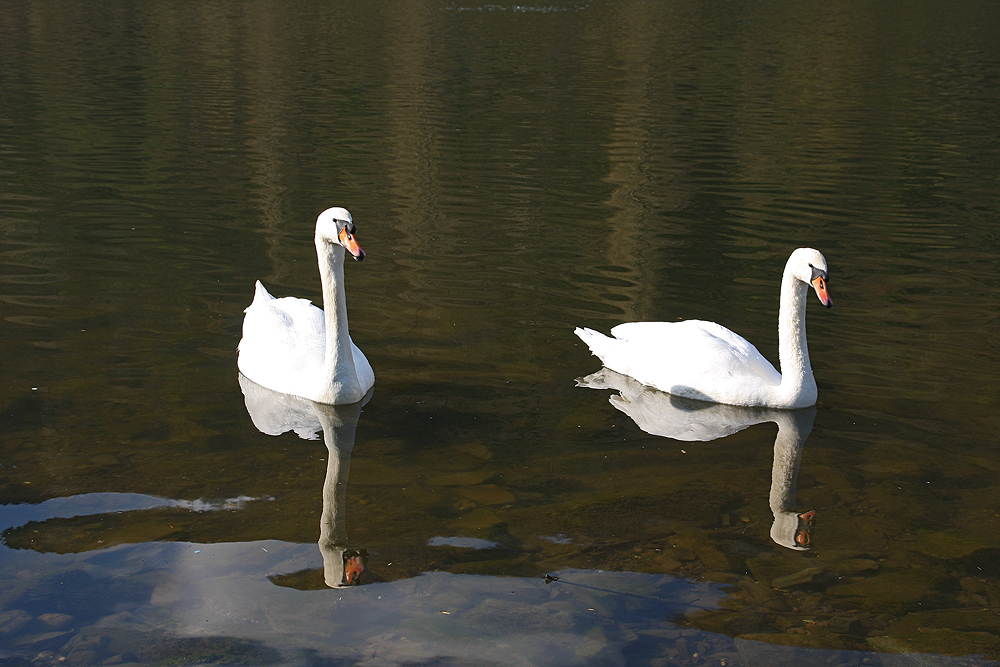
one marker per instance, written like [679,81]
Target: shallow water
[514,172]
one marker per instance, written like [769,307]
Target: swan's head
[335,225]
[809,266]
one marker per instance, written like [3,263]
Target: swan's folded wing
[685,354]
[672,332]
[282,338]
[745,358]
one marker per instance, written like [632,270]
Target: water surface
[514,172]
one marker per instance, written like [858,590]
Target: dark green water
[514,171]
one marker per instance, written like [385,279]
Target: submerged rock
[13,621]
[55,620]
[468,478]
[487,494]
[800,577]
[890,590]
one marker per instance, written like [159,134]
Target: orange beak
[819,284]
[349,241]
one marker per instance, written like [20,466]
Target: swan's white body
[293,347]
[708,362]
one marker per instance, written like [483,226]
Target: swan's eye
[346,235]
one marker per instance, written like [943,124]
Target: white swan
[708,362]
[291,346]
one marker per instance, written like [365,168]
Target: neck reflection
[668,416]
[274,413]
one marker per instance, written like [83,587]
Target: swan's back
[693,358]
[284,342]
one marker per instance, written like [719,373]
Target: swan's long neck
[797,381]
[338,368]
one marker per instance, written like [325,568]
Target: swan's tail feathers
[260,295]
[597,342]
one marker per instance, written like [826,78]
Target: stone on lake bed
[783,570]
[956,631]
[369,472]
[13,620]
[760,648]
[55,620]
[940,544]
[891,589]
[800,577]
[682,554]
[667,562]
[708,554]
[469,478]
[477,519]
[476,449]
[853,566]
[43,639]
[487,494]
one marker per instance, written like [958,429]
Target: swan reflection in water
[274,413]
[668,416]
